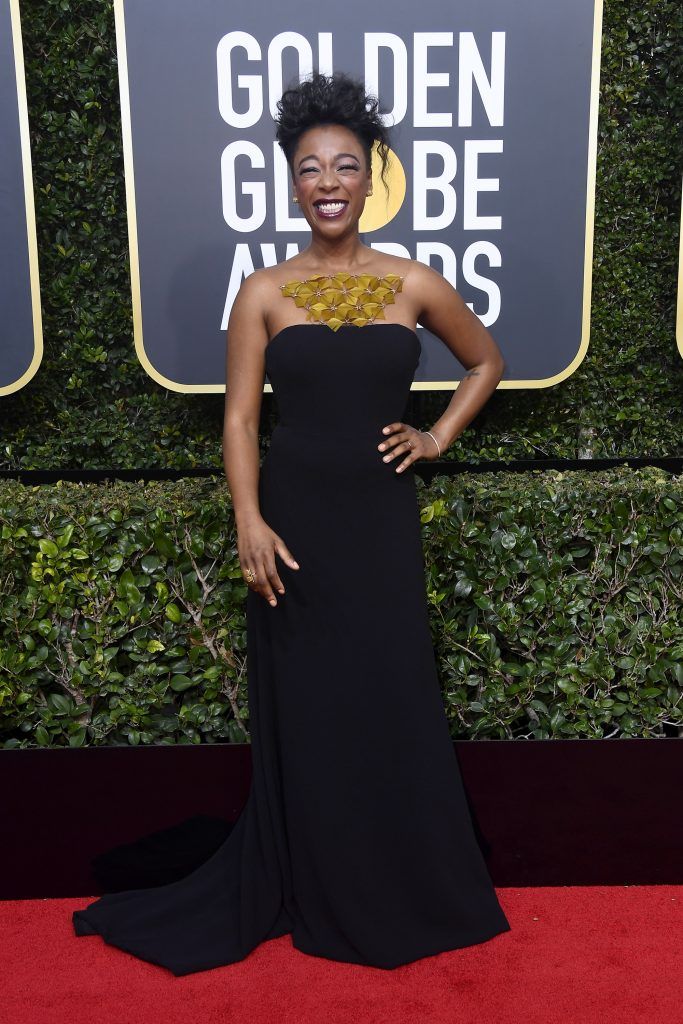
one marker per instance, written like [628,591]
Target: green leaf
[59,703]
[164,545]
[173,613]
[567,686]
[65,536]
[42,736]
[180,683]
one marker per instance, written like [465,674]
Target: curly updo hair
[331,99]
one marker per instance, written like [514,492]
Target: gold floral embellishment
[356,299]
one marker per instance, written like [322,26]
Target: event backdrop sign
[493,110]
[21,335]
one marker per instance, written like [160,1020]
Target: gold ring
[249,576]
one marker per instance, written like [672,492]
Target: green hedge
[554,600]
[92,405]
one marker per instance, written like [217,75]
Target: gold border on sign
[31,239]
[438,385]
[679,296]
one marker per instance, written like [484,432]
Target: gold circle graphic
[380,208]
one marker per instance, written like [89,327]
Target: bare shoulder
[251,304]
[247,326]
[427,285]
[442,310]
[254,288]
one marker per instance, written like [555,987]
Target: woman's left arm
[443,312]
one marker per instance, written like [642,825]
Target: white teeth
[331,206]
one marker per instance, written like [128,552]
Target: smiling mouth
[330,208]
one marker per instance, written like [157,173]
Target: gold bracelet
[438,446]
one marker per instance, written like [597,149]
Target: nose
[328,179]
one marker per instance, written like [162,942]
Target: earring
[294,199]
[369,193]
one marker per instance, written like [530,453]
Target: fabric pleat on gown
[356,836]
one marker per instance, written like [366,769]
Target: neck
[336,254]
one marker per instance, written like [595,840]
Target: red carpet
[606,954]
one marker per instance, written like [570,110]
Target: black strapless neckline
[383,323]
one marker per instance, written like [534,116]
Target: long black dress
[356,836]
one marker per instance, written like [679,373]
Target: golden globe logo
[255,180]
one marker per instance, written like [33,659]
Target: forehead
[328,140]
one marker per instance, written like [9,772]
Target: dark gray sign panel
[494,114]
[21,337]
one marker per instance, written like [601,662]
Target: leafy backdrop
[554,601]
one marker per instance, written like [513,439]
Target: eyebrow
[312,156]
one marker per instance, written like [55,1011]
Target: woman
[356,836]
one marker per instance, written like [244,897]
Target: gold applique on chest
[356,299]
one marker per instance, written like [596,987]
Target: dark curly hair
[331,99]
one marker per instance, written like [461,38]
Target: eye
[306,169]
[348,167]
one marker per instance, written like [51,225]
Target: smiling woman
[360,846]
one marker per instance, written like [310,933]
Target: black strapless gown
[356,836]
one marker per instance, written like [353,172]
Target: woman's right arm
[247,338]
[244,373]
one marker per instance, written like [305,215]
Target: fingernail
[385,430]
[296,565]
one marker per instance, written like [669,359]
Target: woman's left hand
[400,438]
